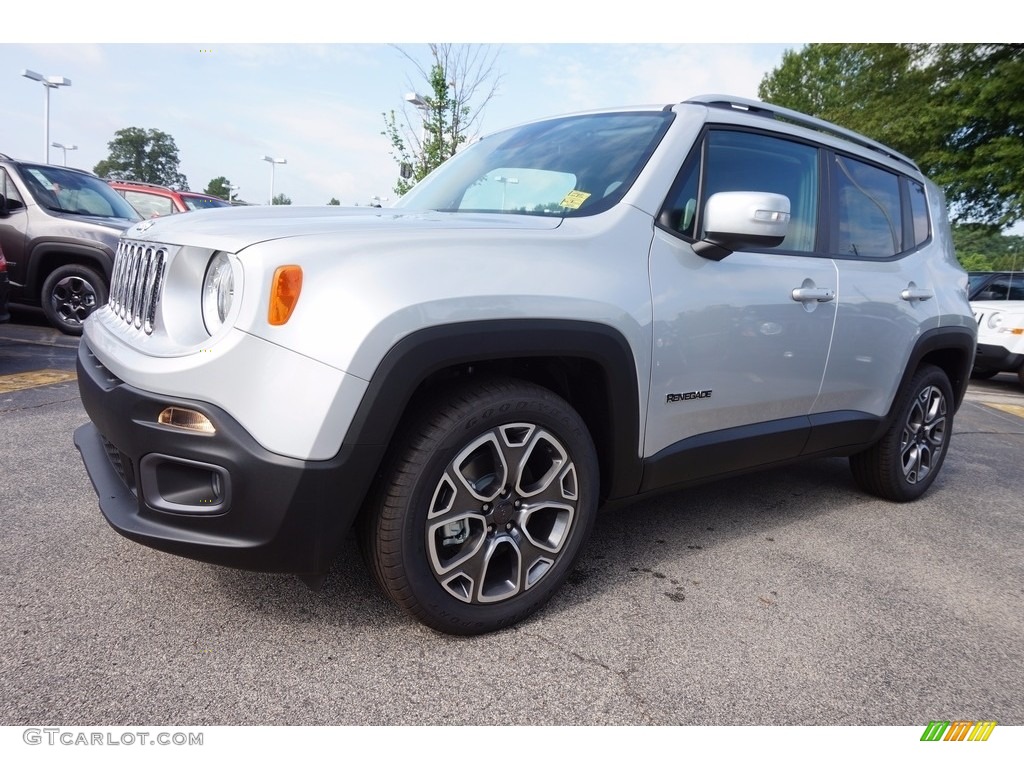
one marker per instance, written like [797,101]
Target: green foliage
[461,81]
[281,199]
[219,187]
[139,154]
[334,201]
[984,249]
[954,108]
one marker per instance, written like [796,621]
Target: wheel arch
[588,364]
[46,257]
[948,348]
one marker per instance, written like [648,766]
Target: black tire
[70,294]
[982,374]
[483,507]
[905,461]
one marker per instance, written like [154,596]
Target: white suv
[567,314]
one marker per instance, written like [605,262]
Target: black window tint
[12,198]
[1008,288]
[738,161]
[870,224]
[681,210]
[919,210]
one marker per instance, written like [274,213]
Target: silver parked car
[567,314]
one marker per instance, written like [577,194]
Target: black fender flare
[414,358]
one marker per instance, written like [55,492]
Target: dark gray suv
[59,229]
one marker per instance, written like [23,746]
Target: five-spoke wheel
[484,509]
[904,462]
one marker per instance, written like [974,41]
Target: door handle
[806,294]
[913,293]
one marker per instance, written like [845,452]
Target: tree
[334,201]
[981,249]
[281,199]
[954,108]
[139,154]
[219,187]
[461,80]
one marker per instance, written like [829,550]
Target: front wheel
[905,461]
[70,294]
[484,508]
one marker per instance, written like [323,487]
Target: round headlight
[995,320]
[218,292]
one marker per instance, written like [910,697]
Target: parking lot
[785,598]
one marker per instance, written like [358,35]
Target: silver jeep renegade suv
[566,314]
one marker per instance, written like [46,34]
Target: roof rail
[5,157]
[771,111]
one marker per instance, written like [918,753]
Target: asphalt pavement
[787,597]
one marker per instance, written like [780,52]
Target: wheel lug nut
[517,503]
[508,526]
[487,508]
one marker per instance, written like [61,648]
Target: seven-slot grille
[135,286]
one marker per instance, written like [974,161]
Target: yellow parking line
[1016,410]
[16,381]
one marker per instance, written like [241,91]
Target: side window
[919,211]
[1004,288]
[737,161]
[12,199]
[753,162]
[870,222]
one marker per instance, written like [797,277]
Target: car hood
[233,229]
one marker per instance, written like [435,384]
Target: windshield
[195,203]
[67,191]
[568,166]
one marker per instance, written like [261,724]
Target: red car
[152,200]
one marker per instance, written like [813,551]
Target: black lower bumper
[992,357]
[219,498]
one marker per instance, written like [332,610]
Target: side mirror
[736,220]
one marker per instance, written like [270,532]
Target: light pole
[274,161]
[232,188]
[58,145]
[505,181]
[49,83]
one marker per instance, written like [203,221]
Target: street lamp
[49,83]
[232,188]
[58,145]
[505,181]
[420,103]
[274,161]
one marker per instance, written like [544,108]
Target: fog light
[185,418]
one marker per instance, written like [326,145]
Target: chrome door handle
[913,293]
[805,294]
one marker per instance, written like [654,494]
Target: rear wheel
[904,463]
[70,294]
[483,510]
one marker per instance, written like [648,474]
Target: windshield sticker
[38,176]
[575,199]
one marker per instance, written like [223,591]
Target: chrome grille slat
[137,282]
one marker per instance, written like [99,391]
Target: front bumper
[220,498]
[992,357]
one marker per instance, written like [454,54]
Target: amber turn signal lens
[284,293]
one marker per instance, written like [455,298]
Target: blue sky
[312,89]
